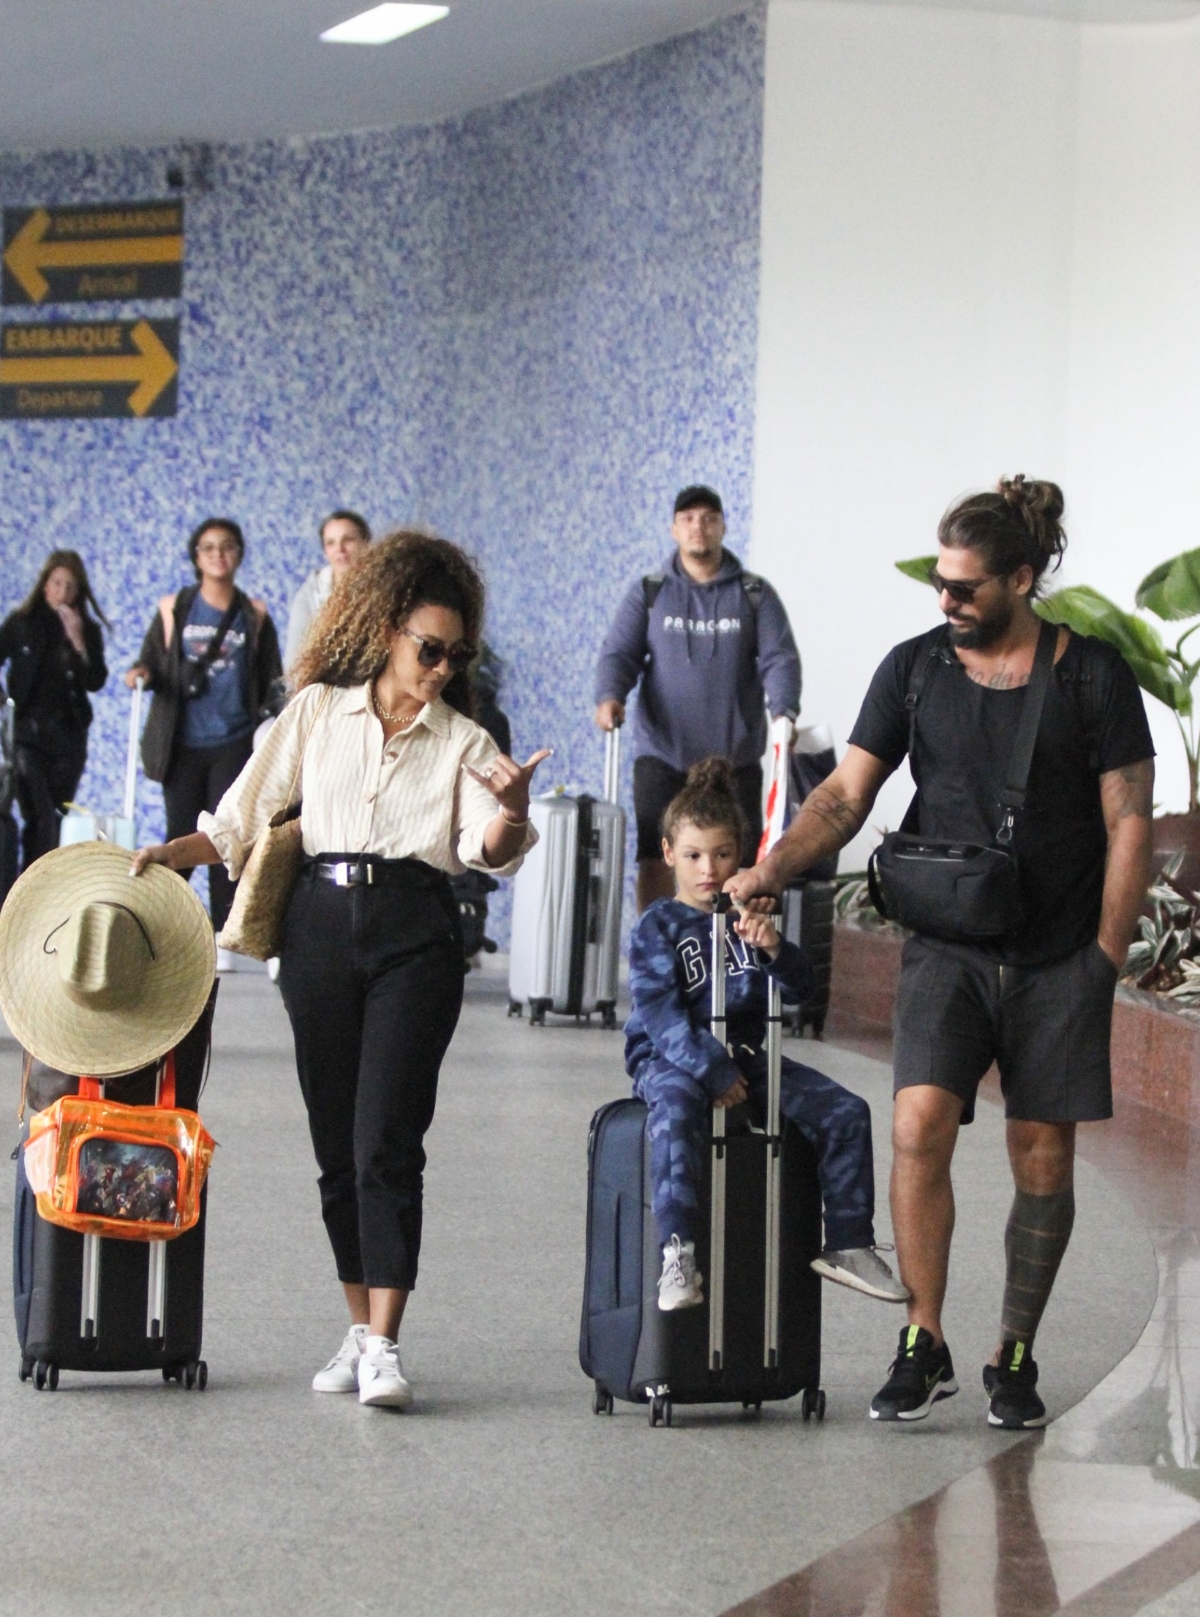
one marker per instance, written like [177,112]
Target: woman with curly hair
[400,788]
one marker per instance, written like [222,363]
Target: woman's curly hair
[351,636]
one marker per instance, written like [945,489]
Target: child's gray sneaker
[864,1270]
[679,1285]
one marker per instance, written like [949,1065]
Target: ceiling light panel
[382,24]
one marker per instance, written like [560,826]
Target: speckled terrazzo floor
[501,1493]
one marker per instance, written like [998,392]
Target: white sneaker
[341,1373]
[273,968]
[863,1270]
[679,1285]
[381,1375]
[226,960]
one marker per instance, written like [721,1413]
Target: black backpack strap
[921,669]
[1013,796]
[651,584]
[752,588]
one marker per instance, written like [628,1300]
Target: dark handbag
[959,891]
[193,676]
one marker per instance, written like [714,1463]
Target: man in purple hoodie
[708,641]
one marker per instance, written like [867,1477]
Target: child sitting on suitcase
[679,1069]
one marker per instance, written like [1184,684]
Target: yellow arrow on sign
[29,253]
[152,367]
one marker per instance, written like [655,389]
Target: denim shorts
[1046,1027]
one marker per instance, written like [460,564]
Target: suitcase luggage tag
[131,1173]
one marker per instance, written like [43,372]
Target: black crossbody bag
[959,891]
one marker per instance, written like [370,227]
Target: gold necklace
[390,718]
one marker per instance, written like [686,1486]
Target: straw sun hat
[102,972]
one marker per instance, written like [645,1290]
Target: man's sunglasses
[432,652]
[964,594]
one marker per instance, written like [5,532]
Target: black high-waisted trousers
[372,978]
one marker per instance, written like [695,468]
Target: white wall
[979,257]
[1133,445]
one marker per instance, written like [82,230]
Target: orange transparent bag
[130,1172]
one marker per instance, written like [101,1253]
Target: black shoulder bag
[959,891]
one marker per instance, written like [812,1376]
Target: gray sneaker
[864,1270]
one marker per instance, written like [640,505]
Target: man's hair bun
[1020,525]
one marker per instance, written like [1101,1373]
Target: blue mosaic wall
[525,328]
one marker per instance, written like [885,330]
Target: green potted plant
[1167,672]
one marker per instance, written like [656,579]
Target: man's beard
[985,631]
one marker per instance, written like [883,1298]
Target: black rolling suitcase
[757,1337]
[83,1303]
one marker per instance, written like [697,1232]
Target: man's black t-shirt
[1093,721]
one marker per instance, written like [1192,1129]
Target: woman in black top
[55,651]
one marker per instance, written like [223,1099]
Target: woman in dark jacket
[211,657]
[55,651]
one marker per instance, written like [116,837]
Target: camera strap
[1020,760]
[213,650]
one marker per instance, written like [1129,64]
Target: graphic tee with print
[221,714]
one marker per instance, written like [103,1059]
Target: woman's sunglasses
[432,652]
[964,594]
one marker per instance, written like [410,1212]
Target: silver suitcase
[566,920]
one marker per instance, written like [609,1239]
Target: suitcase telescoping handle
[131,752]
[612,764]
[716,1290]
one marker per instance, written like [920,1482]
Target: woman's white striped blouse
[410,799]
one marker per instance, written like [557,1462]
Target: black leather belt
[372,872]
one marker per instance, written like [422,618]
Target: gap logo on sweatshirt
[673,625]
[693,956]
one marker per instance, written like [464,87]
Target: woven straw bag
[255,923]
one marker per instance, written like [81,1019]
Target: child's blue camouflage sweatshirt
[672,1000]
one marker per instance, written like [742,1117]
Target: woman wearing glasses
[400,788]
[211,658]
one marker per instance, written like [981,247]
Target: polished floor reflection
[1100,1515]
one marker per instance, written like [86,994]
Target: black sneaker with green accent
[1012,1387]
[920,1374]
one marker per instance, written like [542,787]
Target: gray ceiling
[103,72]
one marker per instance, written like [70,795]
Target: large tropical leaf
[919,568]
[1172,590]
[1088,612]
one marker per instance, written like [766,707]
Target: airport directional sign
[93,368]
[93,253]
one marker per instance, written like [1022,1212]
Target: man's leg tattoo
[1039,1228]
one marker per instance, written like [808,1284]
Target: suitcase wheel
[537,1012]
[608,1016]
[753,1403]
[26,1369]
[515,1007]
[45,1375]
[602,1401]
[195,1374]
[812,1402]
[661,1411]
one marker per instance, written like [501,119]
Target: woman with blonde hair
[399,789]
[55,651]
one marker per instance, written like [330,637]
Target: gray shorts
[1047,1028]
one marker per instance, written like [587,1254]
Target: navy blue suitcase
[757,1336]
[87,1304]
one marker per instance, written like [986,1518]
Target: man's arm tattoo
[1129,790]
[835,811]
